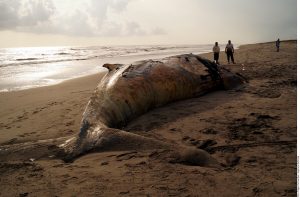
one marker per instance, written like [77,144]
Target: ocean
[23,68]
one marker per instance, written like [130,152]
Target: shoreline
[208,55]
[30,74]
[71,80]
[77,78]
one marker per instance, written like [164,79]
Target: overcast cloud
[90,19]
[145,21]
[16,14]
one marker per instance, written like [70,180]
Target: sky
[28,23]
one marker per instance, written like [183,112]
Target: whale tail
[108,139]
[105,139]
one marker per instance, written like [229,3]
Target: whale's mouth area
[211,66]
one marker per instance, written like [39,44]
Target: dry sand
[251,131]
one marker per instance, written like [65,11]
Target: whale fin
[112,67]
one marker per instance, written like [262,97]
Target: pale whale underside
[127,91]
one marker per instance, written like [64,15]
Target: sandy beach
[252,131]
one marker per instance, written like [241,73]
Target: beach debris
[125,192]
[23,194]
[206,144]
[232,160]
[243,67]
[32,159]
[209,131]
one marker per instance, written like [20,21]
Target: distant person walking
[216,50]
[277,44]
[229,50]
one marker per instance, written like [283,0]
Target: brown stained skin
[127,91]
[132,90]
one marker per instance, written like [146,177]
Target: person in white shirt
[229,50]
[216,50]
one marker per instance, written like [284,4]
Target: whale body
[128,91]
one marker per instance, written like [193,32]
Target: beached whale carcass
[127,91]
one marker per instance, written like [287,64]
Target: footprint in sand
[70,123]
[19,117]
[11,141]
[232,160]
[26,134]
[104,163]
[126,156]
[255,127]
[23,194]
[24,116]
[201,144]
[53,103]
[123,193]
[34,112]
[68,131]
[209,131]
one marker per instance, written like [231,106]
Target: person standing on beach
[229,50]
[216,50]
[278,44]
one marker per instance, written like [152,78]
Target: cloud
[133,28]
[100,12]
[8,18]
[16,13]
[95,18]
[119,5]
[32,12]
[158,31]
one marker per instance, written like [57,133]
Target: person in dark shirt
[229,50]
[278,44]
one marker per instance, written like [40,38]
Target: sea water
[23,68]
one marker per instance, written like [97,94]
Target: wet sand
[251,131]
